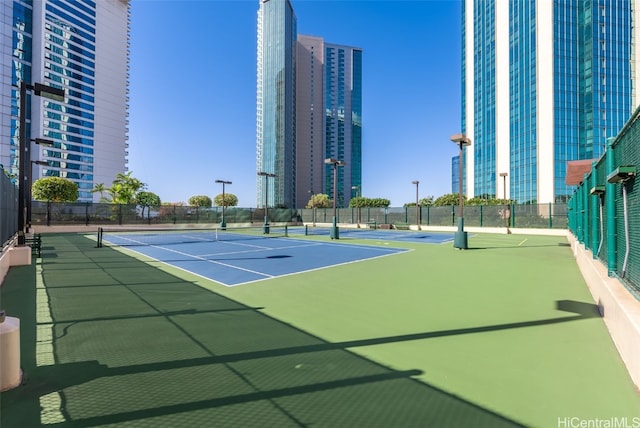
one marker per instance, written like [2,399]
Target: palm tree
[99,188]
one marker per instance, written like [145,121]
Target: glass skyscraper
[329,119]
[276,118]
[343,119]
[81,46]
[309,108]
[544,83]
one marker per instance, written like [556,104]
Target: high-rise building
[343,119]
[81,46]
[329,119]
[310,150]
[276,111]
[544,83]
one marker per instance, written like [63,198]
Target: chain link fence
[8,208]
[604,211]
[523,216]
[548,216]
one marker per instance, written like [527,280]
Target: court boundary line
[134,253]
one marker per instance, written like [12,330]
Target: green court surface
[502,334]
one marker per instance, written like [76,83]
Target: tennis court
[506,335]
[238,256]
[423,237]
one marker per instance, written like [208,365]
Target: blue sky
[193,92]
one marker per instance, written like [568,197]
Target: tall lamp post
[357,189]
[506,211]
[417,183]
[266,176]
[43,142]
[223,224]
[334,233]
[313,208]
[40,90]
[460,237]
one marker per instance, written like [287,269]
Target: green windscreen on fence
[605,207]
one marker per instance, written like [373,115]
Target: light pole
[460,237]
[334,233]
[357,189]
[506,211]
[417,183]
[266,176]
[223,224]
[43,142]
[313,208]
[39,90]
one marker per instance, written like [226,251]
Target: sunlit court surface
[241,255]
[386,334]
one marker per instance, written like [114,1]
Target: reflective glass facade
[276,118]
[343,119]
[65,58]
[484,143]
[523,157]
[567,64]
[69,62]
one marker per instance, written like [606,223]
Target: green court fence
[604,211]
[547,216]
[524,216]
[88,213]
[8,208]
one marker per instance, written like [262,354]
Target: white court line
[525,240]
[258,250]
[388,251]
[399,251]
[206,260]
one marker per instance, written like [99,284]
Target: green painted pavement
[502,334]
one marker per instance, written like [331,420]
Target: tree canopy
[362,202]
[147,200]
[448,199]
[422,202]
[124,189]
[54,189]
[230,200]
[200,201]
[319,200]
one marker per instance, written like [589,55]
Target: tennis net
[113,236]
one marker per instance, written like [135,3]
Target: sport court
[503,335]
[233,257]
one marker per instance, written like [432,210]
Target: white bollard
[10,372]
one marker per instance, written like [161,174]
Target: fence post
[428,206]
[86,214]
[481,215]
[610,196]
[550,218]
[512,215]
[587,212]
[595,212]
[406,216]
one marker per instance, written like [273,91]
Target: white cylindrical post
[10,373]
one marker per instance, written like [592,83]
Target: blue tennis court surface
[424,237]
[246,259]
